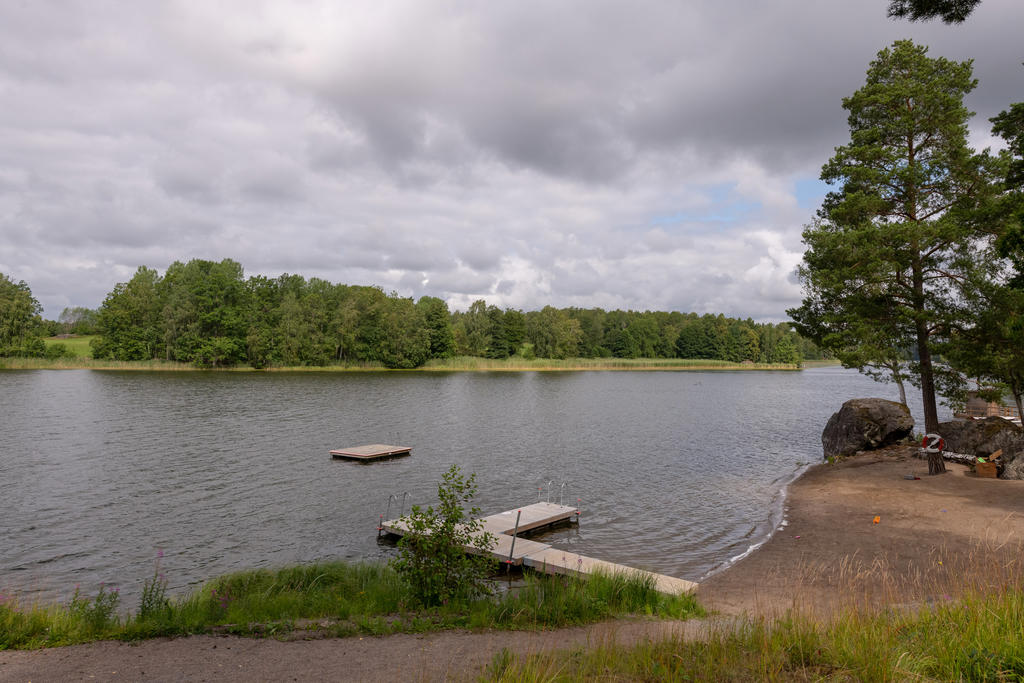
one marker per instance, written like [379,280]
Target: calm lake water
[677,472]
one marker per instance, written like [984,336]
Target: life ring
[933,443]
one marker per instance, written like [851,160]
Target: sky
[636,155]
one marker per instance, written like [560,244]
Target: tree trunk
[931,415]
[924,353]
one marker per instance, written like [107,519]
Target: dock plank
[555,561]
[542,556]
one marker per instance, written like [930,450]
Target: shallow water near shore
[675,472]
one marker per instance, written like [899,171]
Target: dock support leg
[512,548]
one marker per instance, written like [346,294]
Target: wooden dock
[375,451]
[542,556]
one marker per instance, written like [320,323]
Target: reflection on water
[677,472]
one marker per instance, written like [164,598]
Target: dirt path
[450,655]
[931,533]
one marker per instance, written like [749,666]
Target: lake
[676,472]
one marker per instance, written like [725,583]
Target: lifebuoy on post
[933,443]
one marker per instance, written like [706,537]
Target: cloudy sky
[644,155]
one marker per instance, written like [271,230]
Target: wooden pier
[542,556]
[375,451]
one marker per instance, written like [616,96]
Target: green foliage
[438,323]
[553,333]
[58,350]
[154,603]
[129,320]
[350,598]
[78,320]
[892,247]
[19,320]
[204,313]
[950,11]
[432,557]
[97,615]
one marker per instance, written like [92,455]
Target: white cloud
[591,153]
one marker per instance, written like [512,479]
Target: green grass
[339,598]
[79,346]
[977,638]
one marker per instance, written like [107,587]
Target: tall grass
[336,598]
[976,639]
[517,364]
[459,364]
[90,364]
[960,618]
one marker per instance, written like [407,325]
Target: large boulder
[864,424]
[982,437]
[985,437]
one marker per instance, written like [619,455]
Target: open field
[76,345]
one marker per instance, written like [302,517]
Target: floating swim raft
[374,451]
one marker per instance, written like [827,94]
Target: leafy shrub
[58,350]
[432,557]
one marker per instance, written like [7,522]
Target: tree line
[208,314]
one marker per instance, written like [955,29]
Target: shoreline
[469,365]
[831,554]
[777,522]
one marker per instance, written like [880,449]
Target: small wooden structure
[978,408]
[374,451]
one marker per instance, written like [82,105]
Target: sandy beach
[858,533]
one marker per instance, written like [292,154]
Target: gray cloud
[587,153]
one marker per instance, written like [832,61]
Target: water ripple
[101,470]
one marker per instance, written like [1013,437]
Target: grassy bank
[462,363]
[978,638]
[459,364]
[338,599]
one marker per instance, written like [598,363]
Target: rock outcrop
[982,437]
[865,424]
[985,437]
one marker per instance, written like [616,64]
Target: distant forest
[210,315]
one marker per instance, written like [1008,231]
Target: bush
[432,557]
[58,350]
